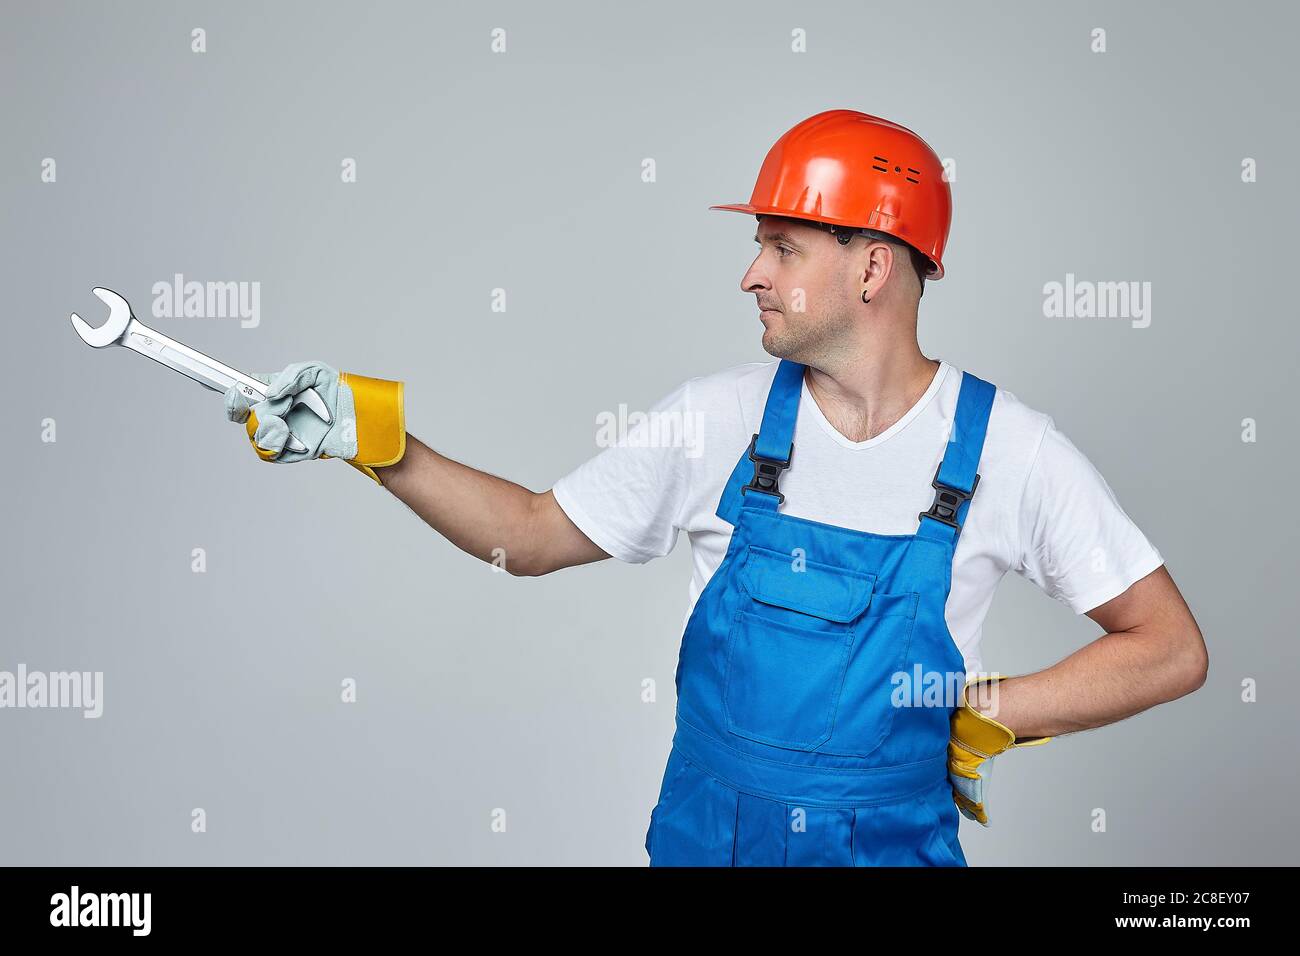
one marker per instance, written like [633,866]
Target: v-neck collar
[806,400]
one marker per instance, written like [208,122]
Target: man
[851,509]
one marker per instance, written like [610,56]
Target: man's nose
[754,280]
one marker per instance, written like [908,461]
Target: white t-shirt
[1041,508]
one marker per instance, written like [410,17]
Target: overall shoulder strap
[955,479]
[770,450]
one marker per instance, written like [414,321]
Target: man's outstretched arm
[487,516]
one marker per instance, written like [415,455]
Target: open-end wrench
[123,328]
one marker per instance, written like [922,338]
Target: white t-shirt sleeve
[1076,542]
[628,499]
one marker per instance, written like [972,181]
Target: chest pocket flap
[811,587]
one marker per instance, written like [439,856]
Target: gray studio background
[521,170]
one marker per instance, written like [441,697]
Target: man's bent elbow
[525,561]
[529,558]
[547,540]
[1196,663]
[528,569]
[1201,667]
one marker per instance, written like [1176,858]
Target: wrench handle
[210,373]
[191,363]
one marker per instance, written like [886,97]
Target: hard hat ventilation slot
[884,168]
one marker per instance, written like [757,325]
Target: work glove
[367,427]
[974,740]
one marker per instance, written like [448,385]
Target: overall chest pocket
[788,652]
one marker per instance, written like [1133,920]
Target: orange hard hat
[857,172]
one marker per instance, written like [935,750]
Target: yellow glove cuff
[982,736]
[381,422]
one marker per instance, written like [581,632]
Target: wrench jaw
[312,400]
[294,444]
[112,331]
[309,399]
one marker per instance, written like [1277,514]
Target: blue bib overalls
[817,675]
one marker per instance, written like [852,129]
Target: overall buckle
[947,500]
[766,472]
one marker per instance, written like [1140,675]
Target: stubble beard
[810,341]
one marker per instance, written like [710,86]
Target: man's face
[805,289]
